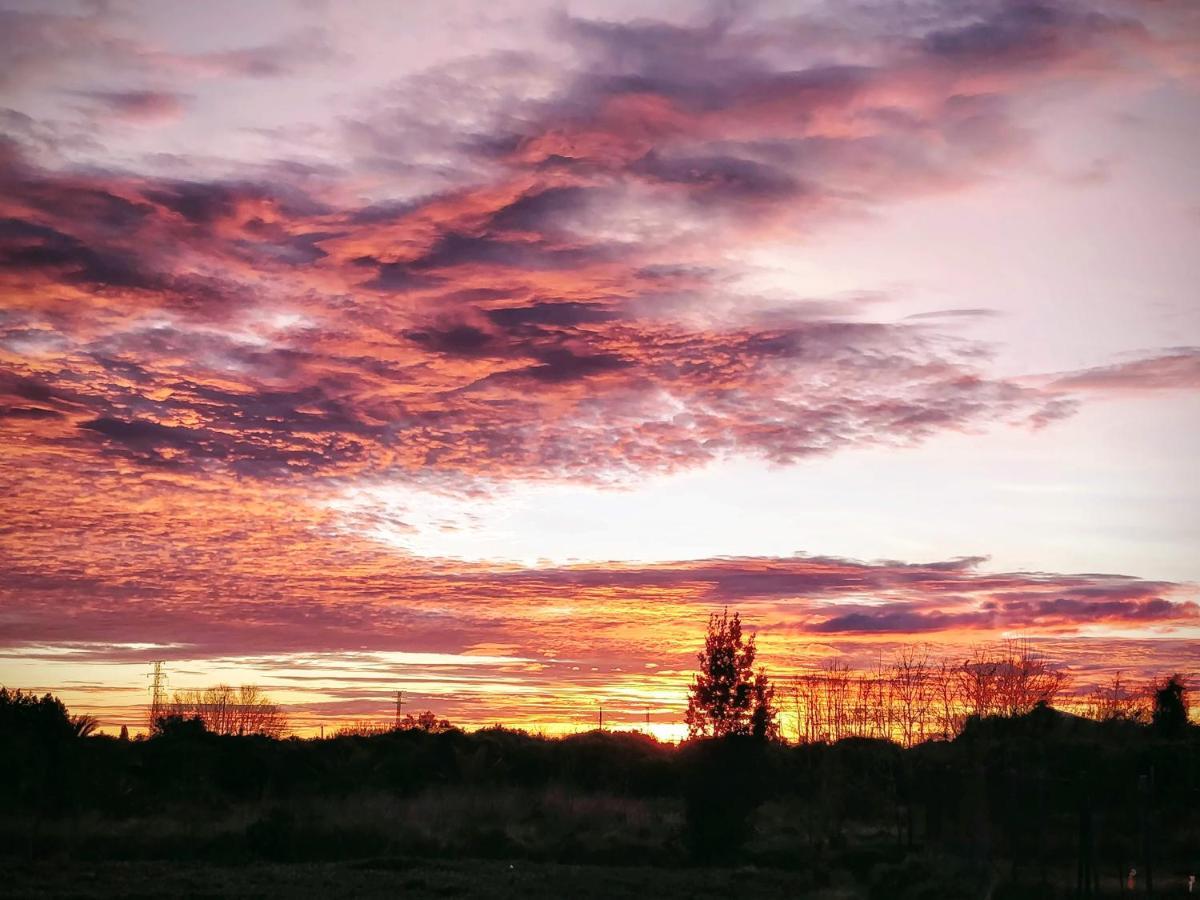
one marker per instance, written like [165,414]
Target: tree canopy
[1170,716]
[727,696]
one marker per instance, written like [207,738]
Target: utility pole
[158,691]
[600,703]
[399,707]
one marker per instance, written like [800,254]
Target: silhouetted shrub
[917,878]
[178,727]
[1009,790]
[1170,717]
[283,836]
[724,784]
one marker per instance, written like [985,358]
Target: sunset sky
[480,350]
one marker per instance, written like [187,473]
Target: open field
[416,879]
[1015,808]
[473,879]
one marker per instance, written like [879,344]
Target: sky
[482,350]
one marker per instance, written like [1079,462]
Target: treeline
[917,696]
[913,697]
[247,710]
[223,710]
[423,721]
[1038,798]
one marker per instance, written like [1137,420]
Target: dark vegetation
[1039,805]
[728,697]
[1026,803]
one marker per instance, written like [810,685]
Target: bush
[724,784]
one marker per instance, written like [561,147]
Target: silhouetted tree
[42,718]
[226,710]
[727,696]
[38,749]
[175,726]
[735,705]
[764,718]
[1116,701]
[916,697]
[948,709]
[1026,680]
[911,686]
[426,721]
[1170,717]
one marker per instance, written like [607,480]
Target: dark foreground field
[480,879]
[1037,806]
[417,879]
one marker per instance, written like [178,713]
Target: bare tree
[977,678]
[1025,679]
[915,697]
[948,701]
[1117,700]
[227,710]
[911,691]
[865,705]
[808,696]
[837,700]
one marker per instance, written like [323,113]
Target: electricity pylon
[158,691]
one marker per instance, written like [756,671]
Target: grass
[398,877]
[549,824]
